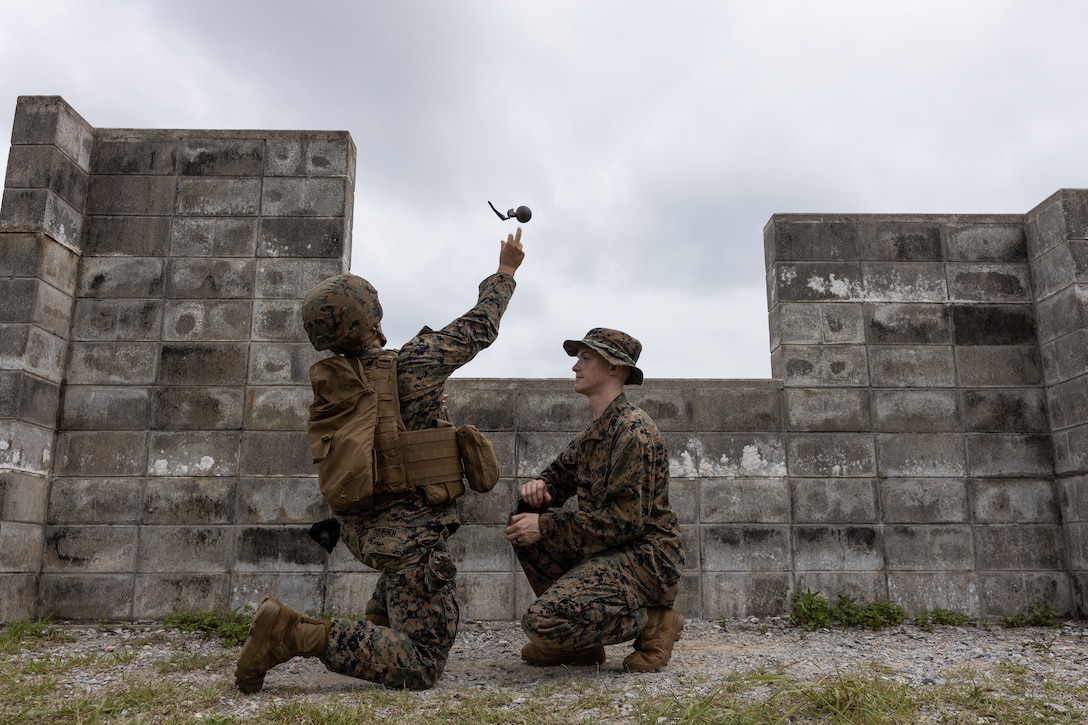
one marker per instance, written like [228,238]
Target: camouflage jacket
[619,469]
[426,361]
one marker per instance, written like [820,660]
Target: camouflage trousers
[598,601]
[416,591]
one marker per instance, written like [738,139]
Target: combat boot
[277,634]
[653,646]
[539,656]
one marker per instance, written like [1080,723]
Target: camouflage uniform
[597,569]
[405,540]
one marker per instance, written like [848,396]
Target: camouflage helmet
[339,314]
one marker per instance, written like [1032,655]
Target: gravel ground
[486,656]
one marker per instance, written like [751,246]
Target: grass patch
[231,628]
[812,611]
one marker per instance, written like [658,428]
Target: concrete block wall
[921,440]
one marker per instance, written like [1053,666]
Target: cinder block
[86,597]
[820,365]
[210,278]
[726,409]
[919,548]
[290,155]
[347,594]
[907,324]
[132,154]
[821,455]
[292,278]
[131,195]
[684,498]
[23,496]
[277,408]
[304,237]
[200,363]
[482,548]
[745,594]
[203,156]
[1073,498]
[1053,271]
[491,508]
[1009,454]
[904,281]
[101,453]
[536,452]
[1000,366]
[837,548]
[40,210]
[920,455]
[121,277]
[127,236]
[486,596]
[670,407]
[833,500]
[552,409]
[900,241]
[919,592]
[50,120]
[113,363]
[744,548]
[917,410]
[988,242]
[862,586]
[274,453]
[744,500]
[105,407]
[993,324]
[818,282]
[117,320]
[159,596]
[43,353]
[37,256]
[214,196]
[725,455]
[1005,410]
[18,593]
[192,501]
[1068,356]
[278,320]
[305,196]
[185,549]
[920,366]
[1062,313]
[215,237]
[1047,225]
[277,549]
[28,398]
[21,547]
[193,453]
[924,500]
[281,363]
[90,549]
[790,237]
[207,320]
[1006,593]
[46,167]
[1071,451]
[828,409]
[17,300]
[814,323]
[1076,546]
[490,405]
[1068,402]
[96,500]
[302,592]
[280,500]
[1014,502]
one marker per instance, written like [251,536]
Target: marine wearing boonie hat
[618,348]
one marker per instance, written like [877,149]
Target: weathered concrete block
[1062,313]
[917,410]
[40,210]
[1071,451]
[943,547]
[38,256]
[1065,358]
[281,363]
[744,594]
[101,453]
[305,196]
[924,500]
[23,496]
[90,549]
[1009,454]
[744,548]
[159,596]
[920,455]
[194,501]
[482,548]
[821,365]
[110,407]
[1073,498]
[1014,502]
[1068,402]
[280,500]
[115,153]
[919,592]
[21,547]
[206,320]
[909,324]
[669,406]
[33,350]
[989,282]
[201,363]
[329,155]
[821,455]
[818,282]
[204,156]
[46,167]
[899,241]
[120,363]
[347,594]
[131,195]
[815,323]
[833,500]
[303,237]
[277,320]
[837,548]
[305,592]
[904,281]
[1005,410]
[291,278]
[50,120]
[1053,271]
[863,586]
[28,398]
[277,549]
[127,236]
[86,597]
[727,409]
[993,324]
[828,409]
[193,453]
[1016,592]
[18,593]
[201,277]
[98,500]
[121,277]
[488,596]
[789,237]
[919,366]
[210,196]
[1001,366]
[488,405]
[723,455]
[1000,241]
[744,500]
[120,320]
[684,498]
[184,549]
[491,508]
[274,453]
[553,410]
[213,237]
[1062,216]
[537,451]
[277,408]
[1076,546]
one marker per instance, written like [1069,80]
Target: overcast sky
[652,140]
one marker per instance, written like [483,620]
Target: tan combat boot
[653,646]
[539,656]
[277,634]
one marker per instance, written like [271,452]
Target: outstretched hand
[511,253]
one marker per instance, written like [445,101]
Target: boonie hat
[618,348]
